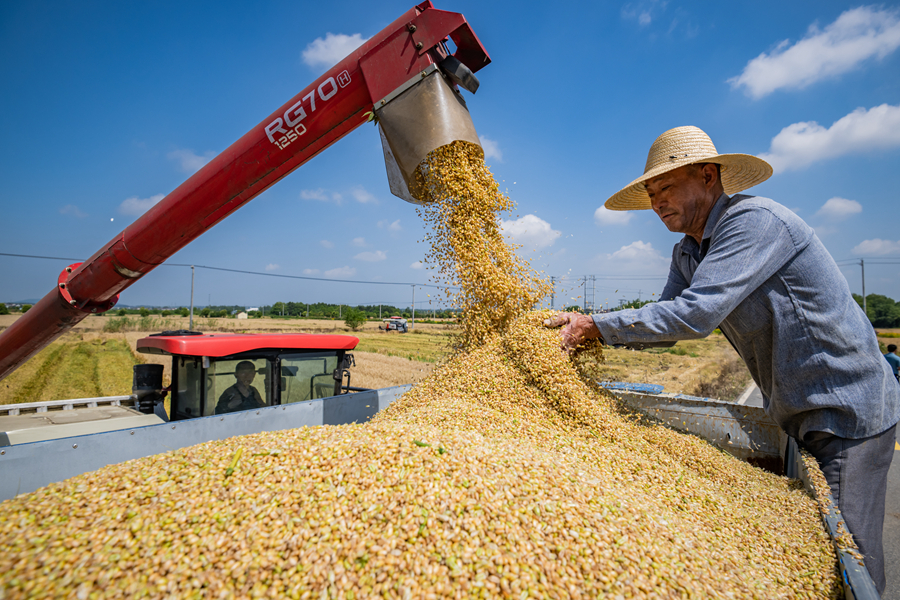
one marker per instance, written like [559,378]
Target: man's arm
[750,245]
[222,404]
[675,284]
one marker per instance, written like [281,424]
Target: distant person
[242,395]
[754,269]
[893,360]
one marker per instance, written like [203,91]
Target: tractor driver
[242,395]
[753,268]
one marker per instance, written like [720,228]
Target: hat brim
[739,172]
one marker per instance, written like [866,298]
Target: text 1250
[296,113]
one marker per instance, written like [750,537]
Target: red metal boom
[324,112]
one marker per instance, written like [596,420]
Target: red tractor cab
[221,373]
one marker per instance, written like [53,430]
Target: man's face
[246,376]
[681,199]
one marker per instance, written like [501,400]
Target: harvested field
[77,366]
[693,367]
[377,371]
[709,368]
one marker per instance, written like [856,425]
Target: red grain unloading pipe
[328,109]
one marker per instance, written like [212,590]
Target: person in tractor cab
[754,269]
[242,395]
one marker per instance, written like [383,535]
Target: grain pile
[506,473]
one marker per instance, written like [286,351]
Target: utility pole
[413,308]
[191,323]
[862,264]
[552,292]
[584,296]
[340,312]
[307,310]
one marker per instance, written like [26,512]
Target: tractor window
[235,385]
[188,377]
[307,377]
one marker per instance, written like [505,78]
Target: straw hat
[684,146]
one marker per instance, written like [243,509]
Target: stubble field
[95,358]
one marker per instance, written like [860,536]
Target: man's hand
[576,329]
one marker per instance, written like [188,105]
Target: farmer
[242,395]
[754,269]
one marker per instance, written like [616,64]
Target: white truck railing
[12,410]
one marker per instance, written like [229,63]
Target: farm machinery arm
[404,77]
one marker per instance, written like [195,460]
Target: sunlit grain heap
[507,473]
[466,247]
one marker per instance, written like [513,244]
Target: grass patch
[149,324]
[27,383]
[72,368]
[731,380]
[425,346]
[114,368]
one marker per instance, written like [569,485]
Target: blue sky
[108,106]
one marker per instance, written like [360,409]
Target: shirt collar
[690,246]
[715,214]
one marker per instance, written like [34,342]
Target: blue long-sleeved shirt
[762,275]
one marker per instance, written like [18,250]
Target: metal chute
[420,116]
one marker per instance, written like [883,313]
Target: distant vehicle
[394,324]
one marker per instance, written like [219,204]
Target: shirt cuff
[607,334]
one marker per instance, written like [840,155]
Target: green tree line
[881,310]
[323,310]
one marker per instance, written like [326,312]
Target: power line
[47,257]
[442,287]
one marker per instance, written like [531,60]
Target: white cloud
[604,216]
[272,267]
[637,257]
[491,148]
[310,271]
[395,226]
[189,161]
[71,209]
[801,144]
[325,53]
[636,251]
[643,12]
[417,265]
[360,194]
[138,206]
[839,208]
[877,247]
[321,195]
[359,242]
[341,272]
[327,244]
[376,256]
[857,35]
[530,231]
